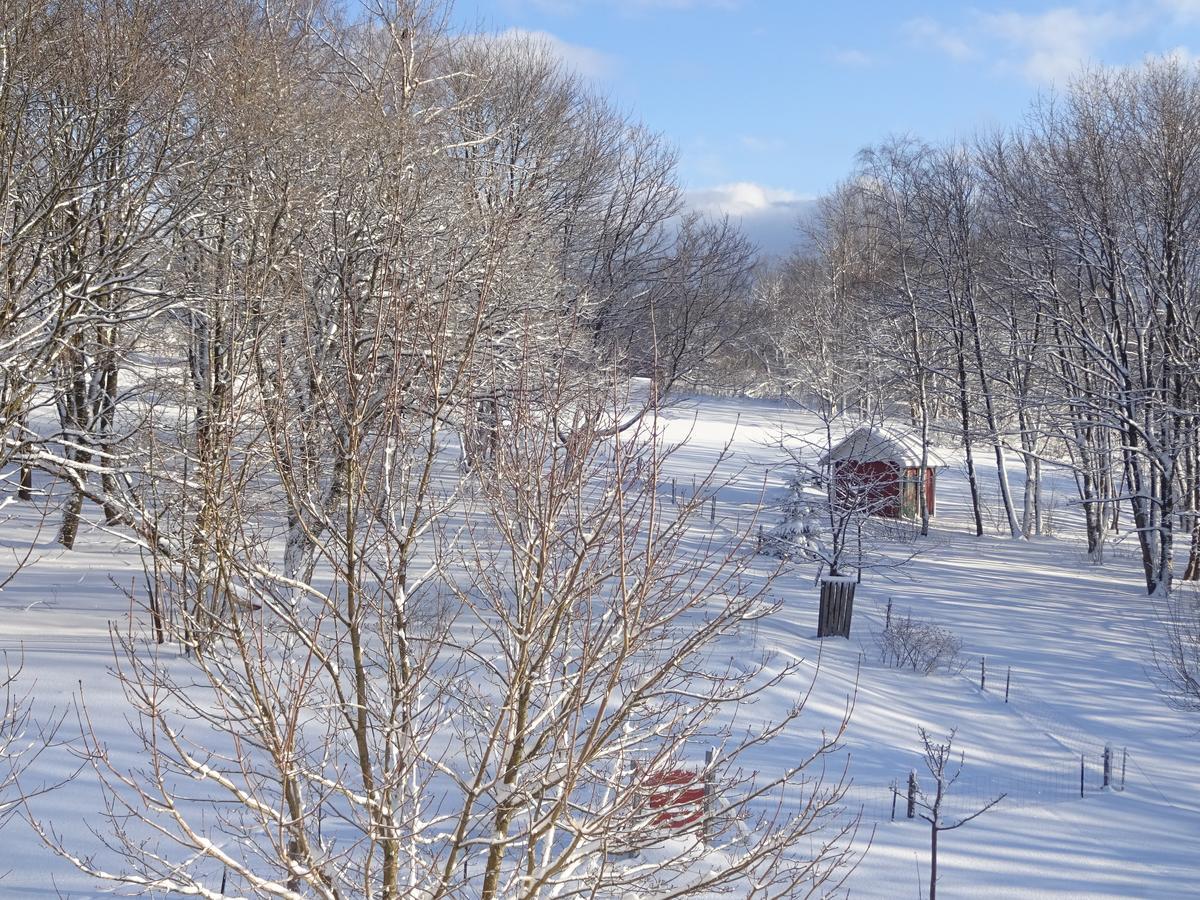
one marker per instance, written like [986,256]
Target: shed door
[909,504]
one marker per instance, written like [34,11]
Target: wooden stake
[710,792]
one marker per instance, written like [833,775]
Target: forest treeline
[1030,296]
[201,200]
[331,311]
[194,192]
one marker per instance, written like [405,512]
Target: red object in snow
[883,489]
[878,472]
[677,795]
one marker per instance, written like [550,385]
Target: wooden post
[837,606]
[895,794]
[887,622]
[1080,776]
[1007,682]
[712,511]
[1124,759]
[983,673]
[710,792]
[25,488]
[912,793]
[1108,759]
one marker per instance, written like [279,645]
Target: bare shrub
[919,645]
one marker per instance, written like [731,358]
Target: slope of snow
[1075,636]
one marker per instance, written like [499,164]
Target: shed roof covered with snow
[876,443]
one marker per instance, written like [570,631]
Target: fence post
[1081,776]
[912,793]
[710,756]
[1124,759]
[1007,682]
[983,673]
[895,794]
[1108,753]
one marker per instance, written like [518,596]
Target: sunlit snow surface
[1076,636]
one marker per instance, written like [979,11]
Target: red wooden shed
[878,470]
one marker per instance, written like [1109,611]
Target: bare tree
[939,760]
[459,693]
[1101,188]
[401,510]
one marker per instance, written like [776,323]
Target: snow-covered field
[1076,638]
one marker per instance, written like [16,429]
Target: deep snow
[1076,637]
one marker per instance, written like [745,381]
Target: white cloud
[1181,55]
[1182,10]
[1052,46]
[584,60]
[853,58]
[927,32]
[767,215]
[1049,46]
[740,198]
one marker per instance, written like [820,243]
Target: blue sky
[768,100]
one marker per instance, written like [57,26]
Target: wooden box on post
[837,606]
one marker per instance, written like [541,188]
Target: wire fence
[1063,781]
[1087,766]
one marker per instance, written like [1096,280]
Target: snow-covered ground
[1075,636]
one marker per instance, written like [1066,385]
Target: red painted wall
[872,487]
[875,487]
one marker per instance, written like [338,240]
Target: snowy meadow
[1064,638]
[405,493]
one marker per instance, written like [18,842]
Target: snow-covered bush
[909,643]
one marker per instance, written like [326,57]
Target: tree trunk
[964,409]
[933,836]
[25,488]
[72,512]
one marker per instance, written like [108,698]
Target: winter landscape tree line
[1032,294]
[335,317]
